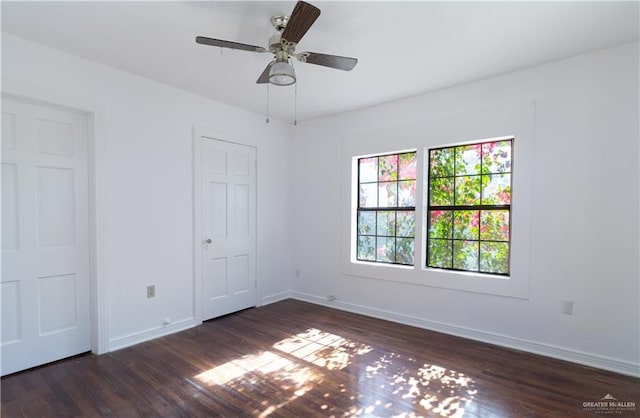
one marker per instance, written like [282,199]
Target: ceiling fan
[289,31]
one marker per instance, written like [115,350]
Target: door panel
[54,137]
[229,223]
[45,239]
[241,266]
[57,304]
[215,289]
[9,206]
[241,210]
[56,207]
[11,312]
[218,210]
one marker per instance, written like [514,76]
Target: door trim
[199,133]
[30,93]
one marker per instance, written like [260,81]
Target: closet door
[45,235]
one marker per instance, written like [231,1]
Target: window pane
[468,160]
[465,255]
[468,190]
[494,225]
[475,180]
[407,167]
[440,253]
[441,224]
[367,223]
[368,170]
[466,224]
[496,189]
[388,168]
[386,249]
[441,162]
[496,157]
[366,248]
[388,195]
[406,224]
[369,195]
[404,247]
[494,257]
[386,215]
[407,191]
[441,192]
[386,223]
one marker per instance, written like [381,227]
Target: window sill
[466,273]
[508,286]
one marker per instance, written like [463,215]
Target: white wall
[584,235]
[144,149]
[584,228]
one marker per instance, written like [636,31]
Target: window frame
[480,208]
[513,118]
[377,209]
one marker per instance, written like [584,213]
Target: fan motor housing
[274,41]
[279,22]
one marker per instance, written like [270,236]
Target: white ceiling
[404,48]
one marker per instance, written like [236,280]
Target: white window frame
[502,121]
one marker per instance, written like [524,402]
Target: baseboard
[277,297]
[547,350]
[150,334]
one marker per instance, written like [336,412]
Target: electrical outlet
[297,272]
[567,307]
[151,291]
[331,297]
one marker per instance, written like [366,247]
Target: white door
[45,235]
[229,223]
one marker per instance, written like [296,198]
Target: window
[386,208]
[469,207]
[503,252]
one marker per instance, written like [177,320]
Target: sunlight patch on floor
[296,380]
[322,349]
[432,388]
[266,361]
[293,379]
[387,385]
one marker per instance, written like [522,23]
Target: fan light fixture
[282,74]
[289,31]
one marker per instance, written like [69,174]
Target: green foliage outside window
[469,207]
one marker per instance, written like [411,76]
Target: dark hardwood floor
[294,359]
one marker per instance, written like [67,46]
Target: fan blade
[302,17]
[264,77]
[228,44]
[333,61]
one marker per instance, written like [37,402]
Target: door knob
[208,241]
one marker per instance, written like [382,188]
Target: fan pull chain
[267,121]
[295,104]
